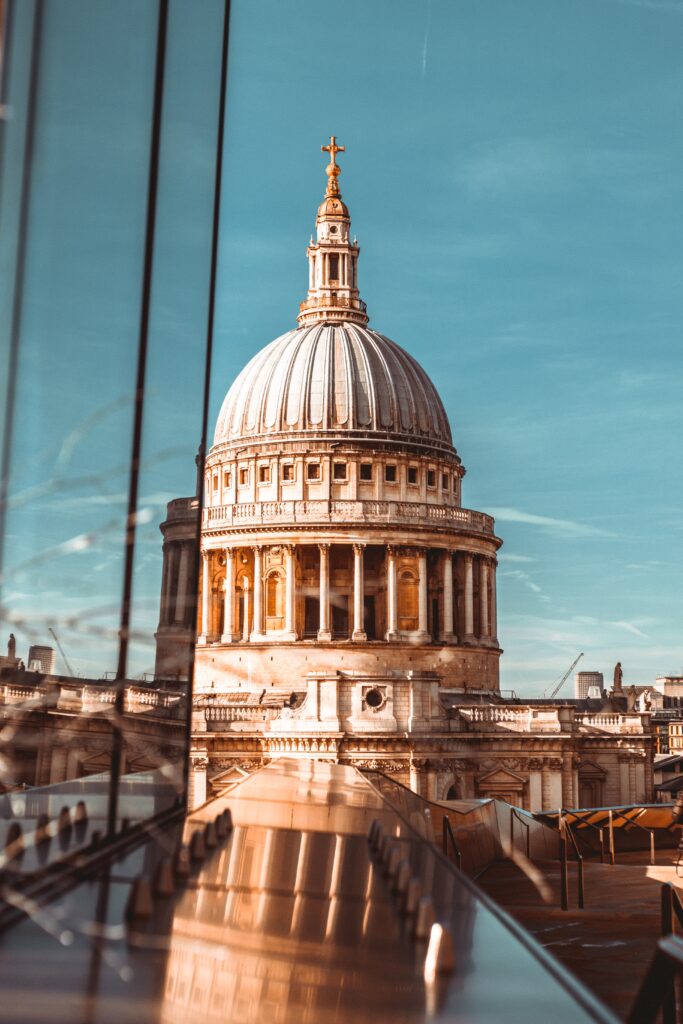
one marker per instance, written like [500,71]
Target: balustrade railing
[237,713]
[267,512]
[612,722]
[89,698]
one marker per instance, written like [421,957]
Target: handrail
[598,828]
[657,990]
[619,815]
[586,999]
[515,814]
[434,803]
[446,834]
[632,821]
[564,831]
[671,906]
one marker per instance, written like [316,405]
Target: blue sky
[513,174]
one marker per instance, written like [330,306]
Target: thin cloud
[630,628]
[525,579]
[426,38]
[560,527]
[650,5]
[505,557]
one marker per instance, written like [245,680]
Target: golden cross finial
[333,149]
[333,169]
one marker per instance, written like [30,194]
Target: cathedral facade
[347,605]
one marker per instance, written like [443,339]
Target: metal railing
[515,816]
[565,830]
[630,821]
[658,989]
[448,839]
[596,828]
[671,908]
[608,827]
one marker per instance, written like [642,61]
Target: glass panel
[106,245]
[74,327]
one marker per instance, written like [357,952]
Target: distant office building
[41,659]
[585,681]
[669,686]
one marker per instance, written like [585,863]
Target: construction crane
[64,657]
[564,678]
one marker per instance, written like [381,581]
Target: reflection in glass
[107,206]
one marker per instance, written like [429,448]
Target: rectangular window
[431,478]
[412,474]
[340,471]
[366,471]
[288,472]
[313,471]
[264,474]
[215,481]
[390,474]
[244,475]
[226,478]
[334,267]
[444,481]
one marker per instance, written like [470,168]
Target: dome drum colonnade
[454,603]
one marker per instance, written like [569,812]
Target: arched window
[275,601]
[407,601]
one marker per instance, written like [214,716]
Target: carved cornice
[376,764]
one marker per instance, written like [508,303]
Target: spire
[332,289]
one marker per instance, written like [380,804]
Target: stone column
[165,576]
[58,765]
[197,781]
[416,766]
[535,765]
[229,598]
[494,605]
[257,626]
[206,598]
[170,589]
[358,594]
[432,793]
[624,786]
[290,592]
[245,624]
[447,635]
[392,595]
[568,800]
[648,781]
[469,600]
[632,788]
[422,614]
[483,599]
[183,575]
[324,631]
[546,784]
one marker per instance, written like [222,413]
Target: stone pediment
[501,778]
[591,770]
